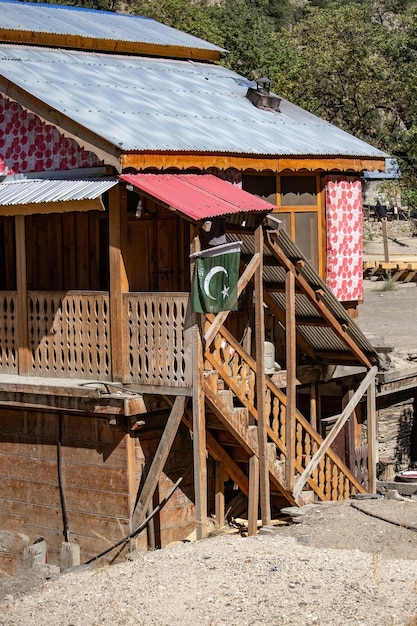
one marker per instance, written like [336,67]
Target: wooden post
[338,425]
[199,420]
[219,502]
[384,224]
[372,431]
[291,391]
[159,460]
[265,497]
[118,277]
[22,297]
[313,405]
[253,500]
[349,431]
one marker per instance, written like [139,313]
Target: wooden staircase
[232,412]
[295,456]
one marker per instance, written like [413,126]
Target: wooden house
[125,148]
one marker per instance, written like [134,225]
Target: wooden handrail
[342,419]
[301,421]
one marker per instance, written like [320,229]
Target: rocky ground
[350,563]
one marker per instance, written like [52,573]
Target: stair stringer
[242,435]
[236,370]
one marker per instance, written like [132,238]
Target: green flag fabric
[215,278]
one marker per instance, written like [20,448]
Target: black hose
[385,519]
[139,528]
[66,530]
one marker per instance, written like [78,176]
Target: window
[300,205]
[263,186]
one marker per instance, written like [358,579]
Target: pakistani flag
[215,278]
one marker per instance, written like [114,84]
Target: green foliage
[388,284]
[354,63]
[193,18]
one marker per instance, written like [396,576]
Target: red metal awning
[199,196]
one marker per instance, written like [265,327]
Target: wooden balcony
[68,336]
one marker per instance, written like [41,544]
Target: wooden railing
[157,348]
[8,333]
[68,336]
[330,479]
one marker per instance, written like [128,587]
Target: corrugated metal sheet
[322,339]
[71,20]
[38,191]
[142,104]
[197,196]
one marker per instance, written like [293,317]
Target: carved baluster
[268,407]
[328,475]
[335,482]
[321,474]
[307,448]
[251,387]
[282,426]
[347,488]
[275,416]
[299,443]
[315,474]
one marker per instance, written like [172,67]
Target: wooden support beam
[219,497]
[280,315]
[253,500]
[313,405]
[199,419]
[118,277]
[22,297]
[347,411]
[372,430]
[265,495]
[218,453]
[158,462]
[291,390]
[384,225]
[315,297]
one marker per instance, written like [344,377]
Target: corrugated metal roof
[317,333]
[142,104]
[71,20]
[38,191]
[197,196]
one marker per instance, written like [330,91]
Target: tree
[355,64]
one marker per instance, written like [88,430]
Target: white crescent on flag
[206,286]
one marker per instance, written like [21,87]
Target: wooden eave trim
[104,149]
[277,165]
[52,207]
[107,45]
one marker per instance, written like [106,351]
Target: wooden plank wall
[7,254]
[101,470]
[73,245]
[157,250]
[176,521]
[71,251]
[94,475]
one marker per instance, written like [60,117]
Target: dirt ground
[341,565]
[349,563]
[389,310]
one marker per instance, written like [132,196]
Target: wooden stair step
[226,397]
